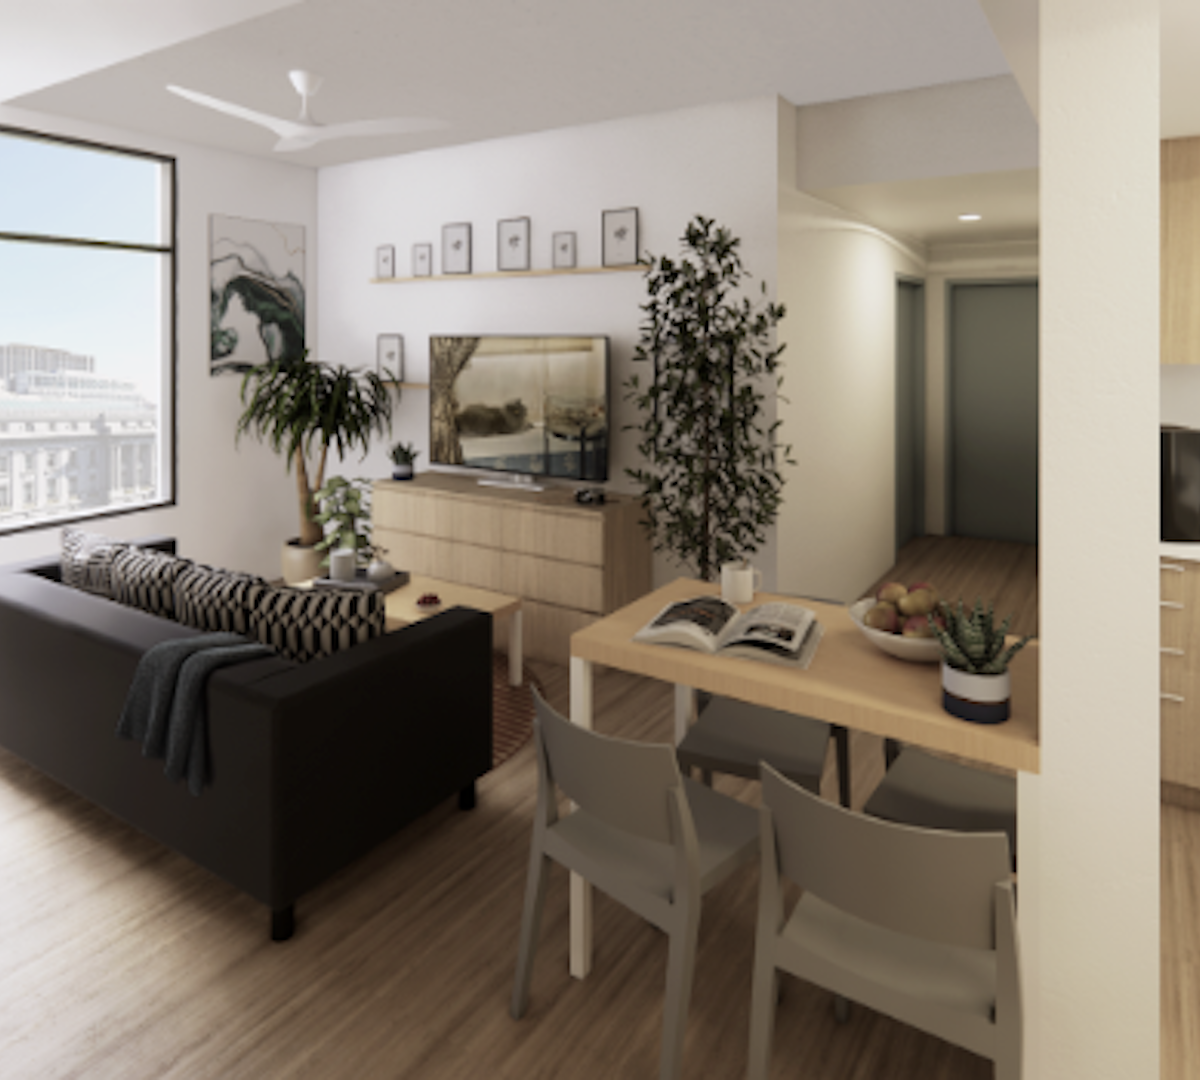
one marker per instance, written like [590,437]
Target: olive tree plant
[710,477]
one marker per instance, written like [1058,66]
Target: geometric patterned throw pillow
[216,600]
[303,624]
[86,560]
[145,579]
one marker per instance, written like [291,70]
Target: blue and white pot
[981,699]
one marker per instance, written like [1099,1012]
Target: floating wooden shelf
[638,267]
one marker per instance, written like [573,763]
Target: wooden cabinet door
[1180,645]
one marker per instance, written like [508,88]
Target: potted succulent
[403,455]
[975,659]
[302,408]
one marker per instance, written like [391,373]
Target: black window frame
[169,406]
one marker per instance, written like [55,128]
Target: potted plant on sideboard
[711,481]
[403,455]
[302,408]
[975,658]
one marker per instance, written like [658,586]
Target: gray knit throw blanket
[165,709]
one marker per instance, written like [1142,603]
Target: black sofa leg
[283,922]
[466,797]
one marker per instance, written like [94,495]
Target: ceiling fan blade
[395,126]
[285,129]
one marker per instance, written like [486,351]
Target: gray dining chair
[731,736]
[936,793]
[918,924]
[650,838]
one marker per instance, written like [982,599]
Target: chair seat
[920,789]
[734,736]
[952,988]
[726,834]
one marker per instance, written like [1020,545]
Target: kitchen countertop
[1183,550]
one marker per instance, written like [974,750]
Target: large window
[87,328]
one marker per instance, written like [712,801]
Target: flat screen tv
[536,406]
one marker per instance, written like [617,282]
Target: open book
[779,632]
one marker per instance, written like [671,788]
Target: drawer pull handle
[1170,652]
[1172,697]
[1172,567]
[1170,604]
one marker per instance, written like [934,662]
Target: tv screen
[533,405]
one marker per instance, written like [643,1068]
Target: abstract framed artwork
[422,260]
[563,248]
[456,248]
[512,244]
[389,357]
[619,237]
[385,261]
[256,292]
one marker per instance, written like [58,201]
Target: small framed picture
[512,244]
[563,251]
[422,260]
[456,248]
[619,237]
[389,357]
[385,261]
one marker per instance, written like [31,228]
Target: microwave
[1180,502]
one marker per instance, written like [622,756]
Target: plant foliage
[346,505]
[974,643]
[301,407]
[711,481]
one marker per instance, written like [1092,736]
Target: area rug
[512,710]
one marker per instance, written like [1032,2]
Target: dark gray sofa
[312,765]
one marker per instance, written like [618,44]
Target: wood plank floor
[121,960]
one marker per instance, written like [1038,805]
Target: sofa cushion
[86,560]
[146,580]
[215,600]
[303,624]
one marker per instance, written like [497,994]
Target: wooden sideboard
[569,563]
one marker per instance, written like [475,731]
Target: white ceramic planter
[402,472]
[342,564]
[981,699]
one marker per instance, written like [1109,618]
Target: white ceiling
[493,68]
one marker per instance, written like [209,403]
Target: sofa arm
[367,740]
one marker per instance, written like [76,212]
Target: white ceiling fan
[306,132]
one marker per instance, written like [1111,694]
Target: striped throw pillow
[86,560]
[145,579]
[216,600]
[303,624]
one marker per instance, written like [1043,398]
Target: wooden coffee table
[402,608]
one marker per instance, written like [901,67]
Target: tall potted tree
[711,481]
[301,408]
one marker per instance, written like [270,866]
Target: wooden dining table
[850,682]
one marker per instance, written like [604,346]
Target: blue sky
[99,302]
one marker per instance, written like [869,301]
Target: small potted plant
[346,518]
[403,455]
[975,659]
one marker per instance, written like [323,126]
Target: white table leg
[515,648]
[685,710]
[580,890]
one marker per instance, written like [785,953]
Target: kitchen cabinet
[1180,251]
[1179,640]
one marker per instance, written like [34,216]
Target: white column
[1089,859]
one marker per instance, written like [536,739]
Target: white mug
[739,582]
[342,564]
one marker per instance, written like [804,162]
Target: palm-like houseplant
[711,483]
[301,408]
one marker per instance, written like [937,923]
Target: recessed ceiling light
[970,217]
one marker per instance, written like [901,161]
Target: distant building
[70,439]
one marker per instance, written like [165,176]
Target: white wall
[837,277]
[719,161]
[234,506]
[1089,889]
[1179,394]
[949,265]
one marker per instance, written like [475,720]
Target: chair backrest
[932,884]
[625,784]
